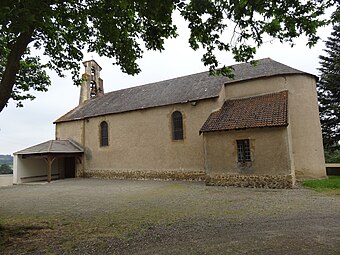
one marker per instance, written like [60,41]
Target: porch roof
[53,147]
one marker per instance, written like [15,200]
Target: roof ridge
[75,144]
[50,146]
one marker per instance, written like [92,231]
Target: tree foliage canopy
[329,90]
[5,169]
[121,29]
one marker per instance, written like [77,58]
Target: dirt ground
[91,216]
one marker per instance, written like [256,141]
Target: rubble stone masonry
[251,181]
[147,175]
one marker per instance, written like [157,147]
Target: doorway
[70,167]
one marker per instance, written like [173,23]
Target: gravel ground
[91,216]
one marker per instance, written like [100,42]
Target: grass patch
[33,232]
[332,185]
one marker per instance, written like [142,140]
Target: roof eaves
[243,128]
[60,120]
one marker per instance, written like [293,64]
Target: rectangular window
[243,151]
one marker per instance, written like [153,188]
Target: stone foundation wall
[252,181]
[146,175]
[79,173]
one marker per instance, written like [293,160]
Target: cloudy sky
[33,124]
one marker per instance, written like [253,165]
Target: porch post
[50,160]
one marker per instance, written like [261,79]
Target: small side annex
[246,143]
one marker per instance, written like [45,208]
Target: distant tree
[5,169]
[118,29]
[329,91]
[332,156]
[6,159]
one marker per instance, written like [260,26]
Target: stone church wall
[141,144]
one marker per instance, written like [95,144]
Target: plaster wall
[72,129]
[142,140]
[256,87]
[304,130]
[30,167]
[269,152]
[306,135]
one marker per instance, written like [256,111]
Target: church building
[260,129]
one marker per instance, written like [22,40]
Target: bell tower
[92,84]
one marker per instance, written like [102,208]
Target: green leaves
[31,76]
[119,28]
[122,29]
[329,91]
[251,20]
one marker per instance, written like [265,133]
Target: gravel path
[91,216]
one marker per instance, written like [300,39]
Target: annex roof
[53,147]
[268,110]
[178,90]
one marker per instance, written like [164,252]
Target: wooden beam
[56,155]
[39,176]
[49,160]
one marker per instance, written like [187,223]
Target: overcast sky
[24,127]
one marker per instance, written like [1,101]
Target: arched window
[93,89]
[177,125]
[104,134]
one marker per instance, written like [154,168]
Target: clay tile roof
[174,91]
[53,147]
[268,110]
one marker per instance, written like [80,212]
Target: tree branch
[12,66]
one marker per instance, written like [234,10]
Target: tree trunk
[13,66]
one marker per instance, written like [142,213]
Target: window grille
[243,151]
